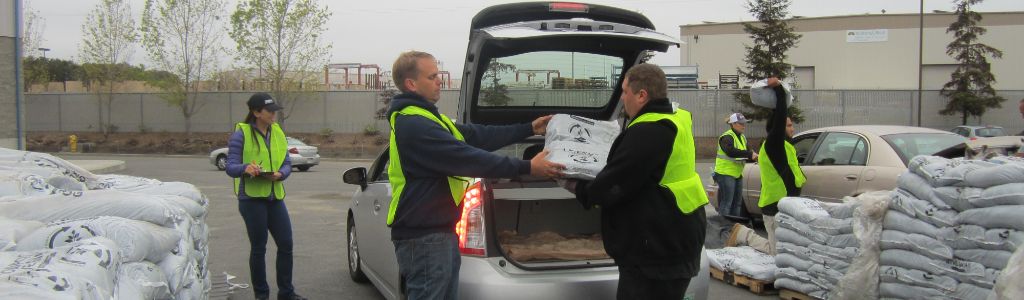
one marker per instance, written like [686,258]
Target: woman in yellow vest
[732,153]
[258,161]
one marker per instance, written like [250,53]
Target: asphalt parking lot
[316,201]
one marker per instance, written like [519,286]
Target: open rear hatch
[526,60]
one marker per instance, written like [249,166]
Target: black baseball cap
[259,101]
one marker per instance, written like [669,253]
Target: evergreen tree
[493,92]
[773,37]
[970,89]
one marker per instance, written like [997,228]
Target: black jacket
[641,225]
[775,149]
[429,153]
[730,150]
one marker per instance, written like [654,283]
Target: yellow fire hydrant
[73,143]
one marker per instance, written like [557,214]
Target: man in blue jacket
[431,158]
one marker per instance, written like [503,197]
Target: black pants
[261,216]
[634,285]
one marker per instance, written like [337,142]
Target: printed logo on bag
[70,234]
[580,134]
[581,156]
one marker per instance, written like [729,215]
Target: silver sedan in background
[303,156]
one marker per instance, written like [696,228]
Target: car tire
[222,162]
[304,168]
[355,267]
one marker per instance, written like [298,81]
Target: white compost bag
[783,234]
[763,96]
[44,160]
[17,184]
[13,231]
[150,186]
[959,198]
[800,286]
[52,176]
[95,260]
[843,254]
[861,279]
[93,204]
[968,236]
[581,144]
[33,284]
[826,273]
[904,291]
[803,209]
[962,271]
[137,240]
[992,259]
[787,260]
[815,257]
[906,203]
[142,280]
[931,247]
[179,267]
[1006,194]
[898,221]
[920,188]
[802,276]
[893,274]
[1003,216]
[997,175]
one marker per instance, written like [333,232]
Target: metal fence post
[60,114]
[142,117]
[842,107]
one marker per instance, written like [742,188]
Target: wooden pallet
[759,287]
[785,294]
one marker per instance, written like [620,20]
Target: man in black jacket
[654,235]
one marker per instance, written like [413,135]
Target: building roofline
[864,21]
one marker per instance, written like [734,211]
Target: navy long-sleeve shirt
[236,167]
[429,154]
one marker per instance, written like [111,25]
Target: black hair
[251,120]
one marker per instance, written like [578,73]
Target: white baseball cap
[737,118]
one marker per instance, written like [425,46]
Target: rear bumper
[484,278]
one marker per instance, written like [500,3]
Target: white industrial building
[872,51]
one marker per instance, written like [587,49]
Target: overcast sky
[376,31]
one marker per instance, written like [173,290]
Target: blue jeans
[730,196]
[260,216]
[429,265]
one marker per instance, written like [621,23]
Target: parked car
[849,160]
[302,156]
[557,37]
[975,132]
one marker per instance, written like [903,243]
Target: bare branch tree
[184,38]
[285,38]
[35,25]
[108,36]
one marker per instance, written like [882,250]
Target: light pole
[44,50]
[920,64]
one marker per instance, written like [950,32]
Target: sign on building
[867,36]
[728,81]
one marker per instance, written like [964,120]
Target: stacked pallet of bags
[743,260]
[155,231]
[815,244]
[952,227]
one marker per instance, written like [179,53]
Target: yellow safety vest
[726,165]
[681,170]
[457,185]
[773,188]
[269,160]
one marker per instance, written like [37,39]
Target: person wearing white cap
[732,153]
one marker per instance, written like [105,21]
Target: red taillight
[974,138]
[470,228]
[293,150]
[568,7]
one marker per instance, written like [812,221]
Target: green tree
[773,37]
[285,39]
[108,39]
[184,38]
[493,93]
[970,89]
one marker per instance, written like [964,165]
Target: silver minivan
[524,60]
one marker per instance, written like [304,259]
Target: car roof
[880,130]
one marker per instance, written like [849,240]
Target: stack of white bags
[952,228]
[816,244]
[66,233]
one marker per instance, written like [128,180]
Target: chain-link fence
[355,111]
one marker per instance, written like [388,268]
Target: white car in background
[302,156]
